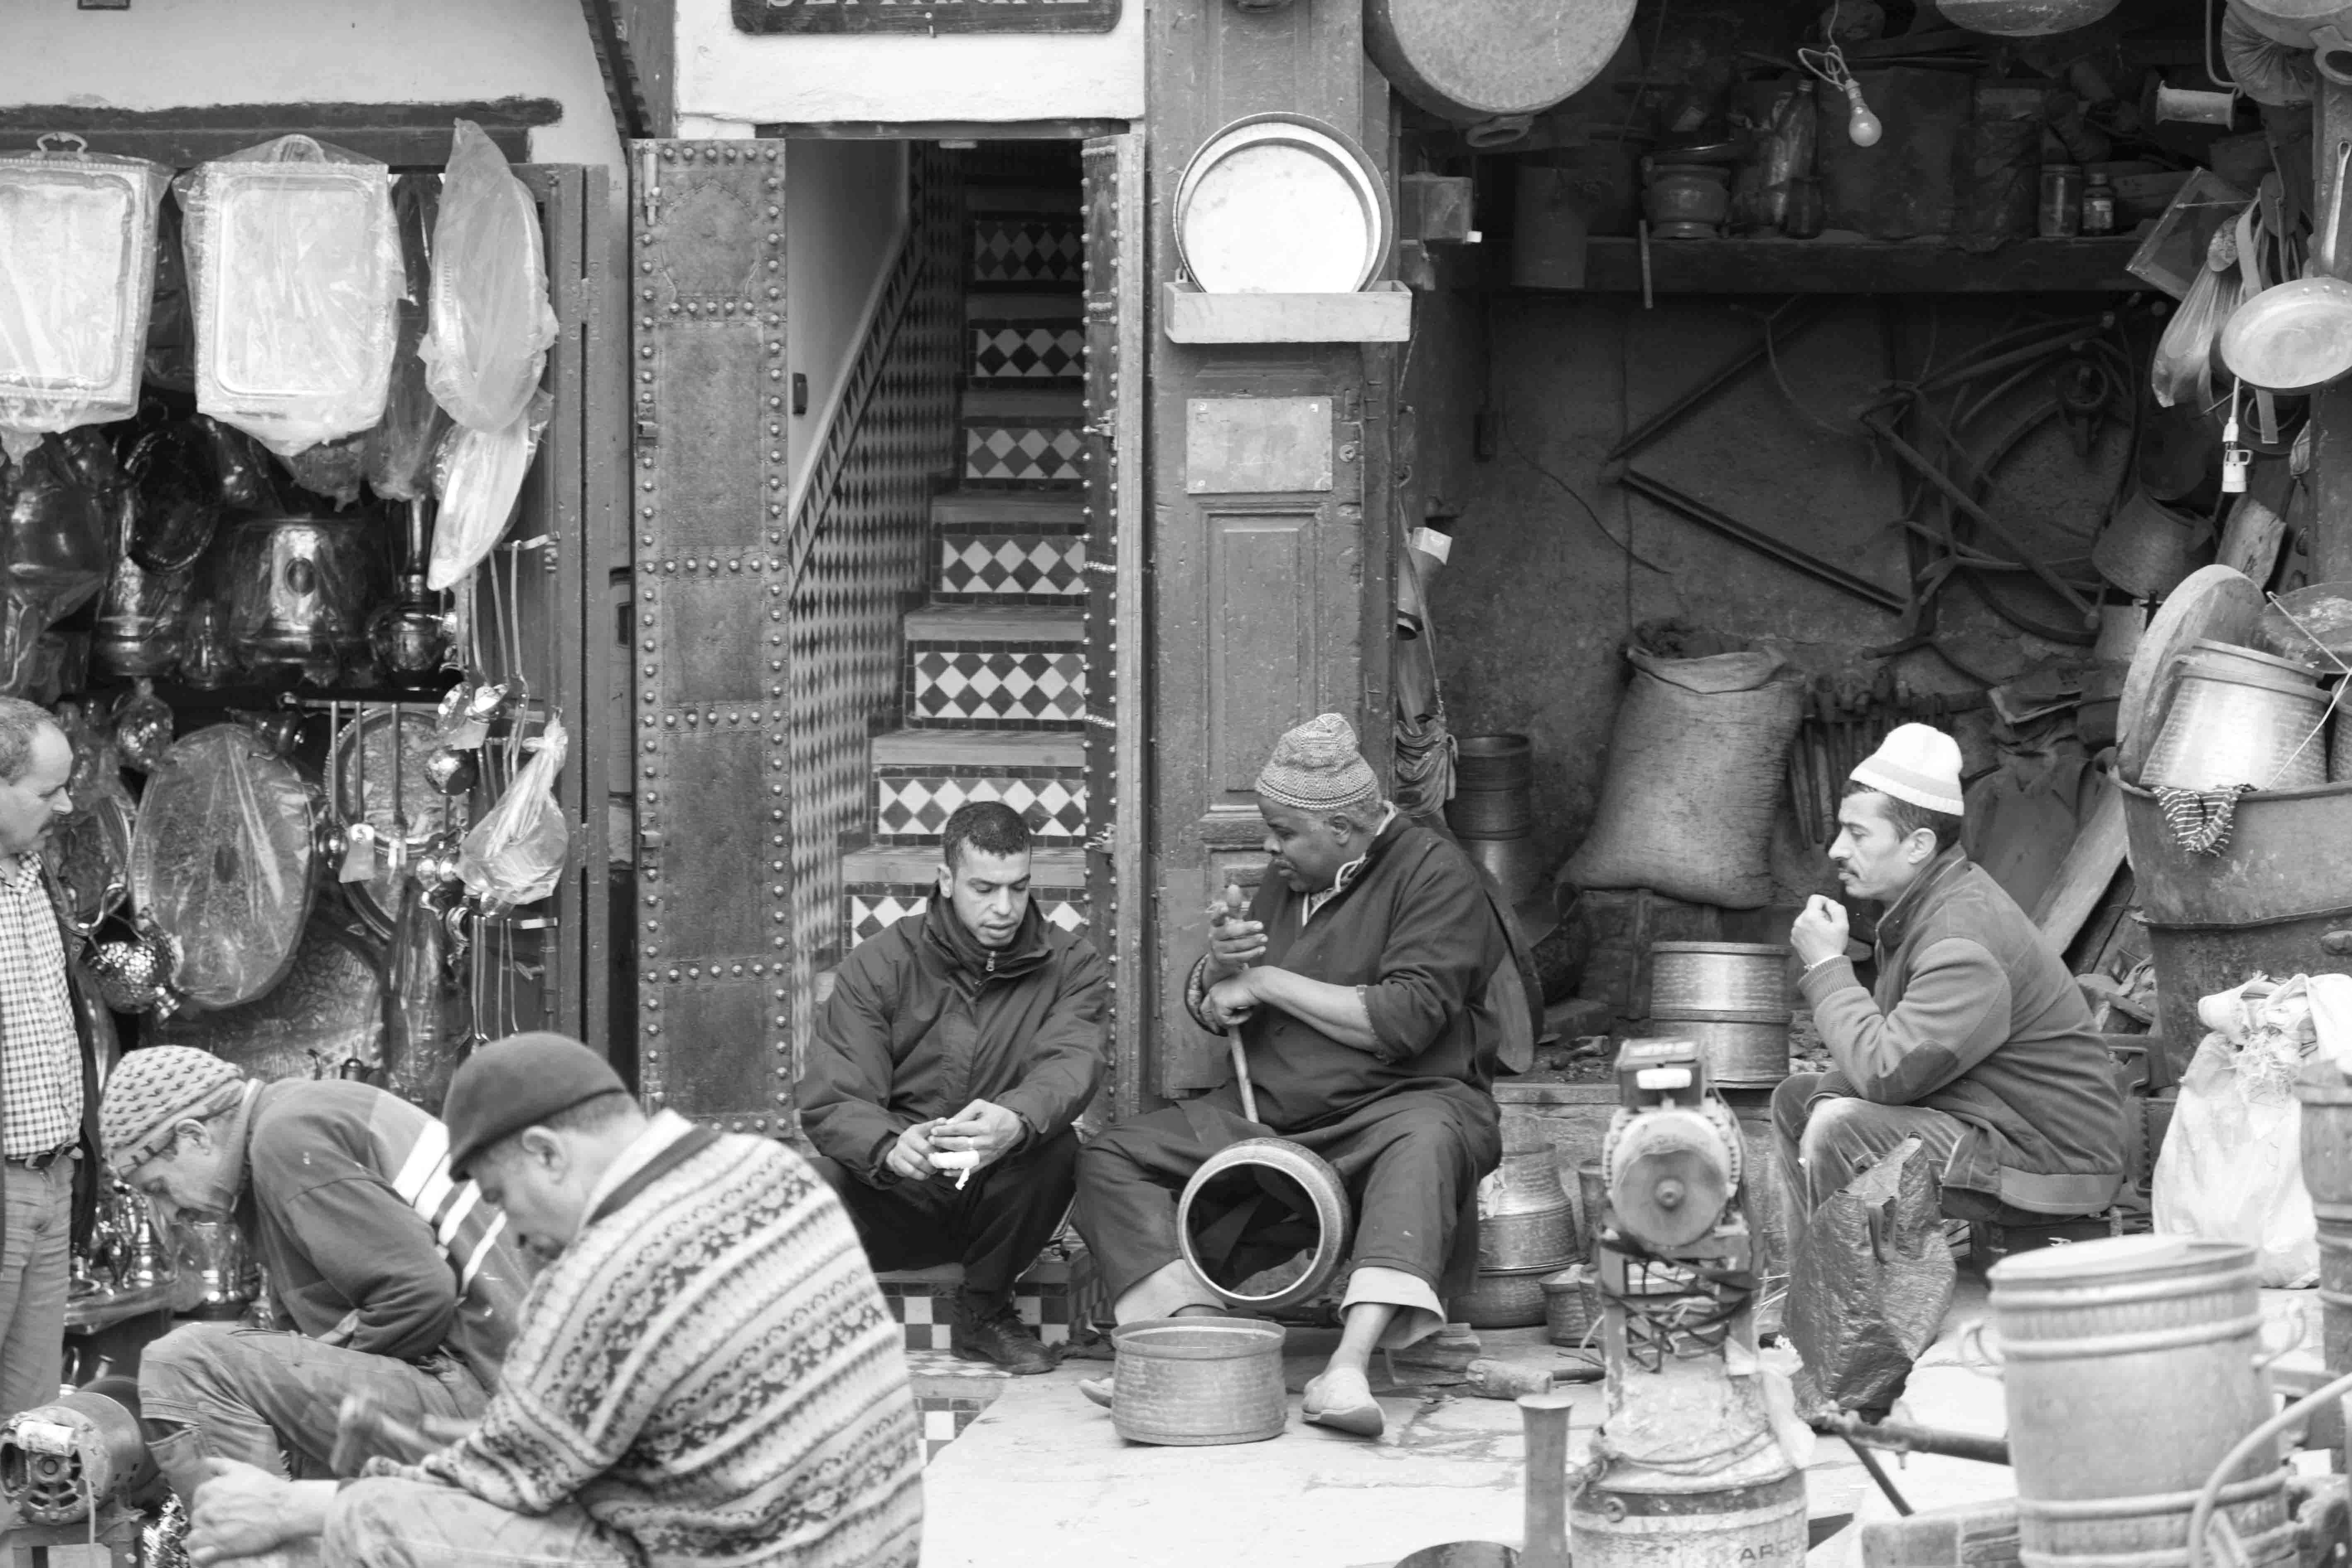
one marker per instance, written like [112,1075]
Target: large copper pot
[298,590]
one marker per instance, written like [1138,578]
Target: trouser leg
[383,1522]
[36,1274]
[1826,1144]
[1012,1210]
[1128,1181]
[217,1391]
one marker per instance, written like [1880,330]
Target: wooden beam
[404,135]
[942,129]
[1614,265]
[2089,867]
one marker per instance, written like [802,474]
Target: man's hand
[987,1130]
[910,1156]
[1229,1002]
[242,1510]
[1820,931]
[1235,943]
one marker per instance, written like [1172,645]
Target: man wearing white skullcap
[1360,987]
[1975,1040]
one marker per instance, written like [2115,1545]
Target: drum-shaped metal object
[2241,718]
[1198,1381]
[298,590]
[1504,1298]
[1740,1052]
[1526,1219]
[1613,1527]
[1471,60]
[1259,1193]
[1703,979]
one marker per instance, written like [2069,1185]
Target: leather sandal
[1351,1409]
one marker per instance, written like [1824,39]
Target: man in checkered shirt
[48,1088]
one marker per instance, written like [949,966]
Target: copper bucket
[2241,717]
[1198,1381]
[2147,547]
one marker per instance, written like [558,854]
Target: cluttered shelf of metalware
[1769,264]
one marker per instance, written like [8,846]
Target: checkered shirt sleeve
[40,1078]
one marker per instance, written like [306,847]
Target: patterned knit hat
[1317,767]
[154,1090]
[1918,764]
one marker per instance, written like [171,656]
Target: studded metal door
[709,741]
[1113,187]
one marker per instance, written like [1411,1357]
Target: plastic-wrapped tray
[76,282]
[328,1010]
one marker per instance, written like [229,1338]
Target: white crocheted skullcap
[1916,762]
[1316,767]
[154,1090]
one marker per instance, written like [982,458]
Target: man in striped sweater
[706,1372]
[395,1277]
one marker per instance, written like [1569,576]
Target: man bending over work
[963,1039]
[706,1372]
[1359,983]
[1976,1040]
[398,1280]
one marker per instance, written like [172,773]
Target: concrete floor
[1040,1479]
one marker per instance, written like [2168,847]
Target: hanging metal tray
[76,275]
[1279,204]
[328,1010]
[221,861]
[90,854]
[364,791]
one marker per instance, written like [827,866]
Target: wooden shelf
[1775,266]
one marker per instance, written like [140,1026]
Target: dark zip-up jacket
[1975,1015]
[923,1021]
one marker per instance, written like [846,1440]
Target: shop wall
[845,214]
[166,53]
[726,75]
[1534,609]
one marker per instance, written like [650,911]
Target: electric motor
[61,1462]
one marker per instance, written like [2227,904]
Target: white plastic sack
[492,324]
[294,260]
[2231,1168]
[478,478]
[76,285]
[515,855]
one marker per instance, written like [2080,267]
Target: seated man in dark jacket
[1360,987]
[1975,1039]
[958,1048]
[397,1280]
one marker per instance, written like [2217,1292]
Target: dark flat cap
[518,1082]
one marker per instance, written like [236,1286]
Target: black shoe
[996,1333]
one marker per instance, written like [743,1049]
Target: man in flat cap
[1975,1039]
[1360,985]
[396,1278]
[971,1032]
[706,1371]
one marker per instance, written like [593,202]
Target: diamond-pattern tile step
[922,776]
[984,666]
[1022,351]
[1022,437]
[1009,511]
[1030,568]
[880,888]
[984,200]
[1027,249]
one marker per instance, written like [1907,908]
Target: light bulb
[1862,126]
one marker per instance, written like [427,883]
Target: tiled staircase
[994,700]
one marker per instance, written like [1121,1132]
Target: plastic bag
[331,469]
[2231,1167]
[516,854]
[491,324]
[1870,1283]
[171,362]
[76,285]
[2182,369]
[294,261]
[478,478]
[2264,69]
[400,449]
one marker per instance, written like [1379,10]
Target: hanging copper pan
[2297,337]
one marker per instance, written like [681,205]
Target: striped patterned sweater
[710,1370]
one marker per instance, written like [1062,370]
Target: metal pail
[1761,1526]
[1198,1381]
[1740,1052]
[1697,979]
[2132,1366]
[1525,1217]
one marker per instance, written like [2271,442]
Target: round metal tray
[1279,204]
[364,791]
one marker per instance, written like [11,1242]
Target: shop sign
[926,16]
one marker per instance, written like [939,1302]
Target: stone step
[1025,305]
[1021,353]
[921,776]
[1009,511]
[995,667]
[984,200]
[1019,405]
[880,888]
[1031,249]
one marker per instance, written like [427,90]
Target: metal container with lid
[2242,717]
[1719,979]
[2131,1367]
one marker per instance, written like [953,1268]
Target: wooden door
[1270,583]
[712,923]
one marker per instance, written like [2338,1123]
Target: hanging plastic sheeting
[400,449]
[492,324]
[478,478]
[55,542]
[76,285]
[295,262]
[515,855]
[171,362]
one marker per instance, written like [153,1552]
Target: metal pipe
[2201,1518]
[1763,543]
[1879,1473]
[1793,316]
[1902,1438]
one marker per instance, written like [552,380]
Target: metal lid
[2093,1259]
[1730,949]
[1279,204]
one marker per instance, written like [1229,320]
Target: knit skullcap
[1918,764]
[154,1090]
[1316,767]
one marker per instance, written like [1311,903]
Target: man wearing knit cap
[1975,1039]
[706,1373]
[397,1280]
[1359,983]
